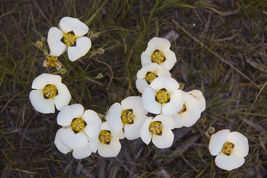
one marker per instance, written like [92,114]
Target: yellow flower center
[227,148]
[50,91]
[69,39]
[127,116]
[77,125]
[182,110]
[162,96]
[52,61]
[157,57]
[150,76]
[155,128]
[104,136]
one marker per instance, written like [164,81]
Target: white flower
[127,117]
[199,96]
[106,143]
[230,148]
[162,96]
[158,51]
[148,73]
[159,130]
[190,112]
[48,92]
[69,37]
[79,126]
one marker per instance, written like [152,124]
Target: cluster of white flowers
[82,131]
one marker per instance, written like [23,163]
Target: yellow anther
[69,39]
[158,57]
[162,96]
[127,116]
[227,148]
[183,109]
[50,91]
[78,125]
[155,128]
[105,136]
[150,76]
[52,61]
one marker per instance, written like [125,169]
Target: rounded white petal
[240,142]
[93,143]
[93,123]
[170,84]
[132,131]
[175,104]
[110,150]
[63,97]
[199,96]
[68,113]
[157,43]
[59,144]
[113,118]
[141,84]
[68,24]
[217,140]
[145,59]
[83,152]
[42,80]
[144,132]
[153,67]
[230,162]
[134,103]
[149,102]
[164,140]
[73,140]
[83,44]
[41,104]
[56,46]
[167,121]
[170,59]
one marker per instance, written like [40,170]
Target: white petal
[149,102]
[144,132]
[56,46]
[73,140]
[157,43]
[83,152]
[166,120]
[199,96]
[68,113]
[145,59]
[164,140]
[134,103]
[93,123]
[175,104]
[110,150]
[217,140]
[41,104]
[170,84]
[113,118]
[68,24]
[132,131]
[230,162]
[141,84]
[240,142]
[83,44]
[59,144]
[63,98]
[42,80]
[93,143]
[153,67]
[170,59]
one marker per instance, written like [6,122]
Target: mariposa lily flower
[106,143]
[199,96]
[230,148]
[159,130]
[52,61]
[127,117]
[190,112]
[69,36]
[148,73]
[162,96]
[48,92]
[158,51]
[78,127]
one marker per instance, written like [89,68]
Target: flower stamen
[157,57]
[162,96]
[155,128]
[127,116]
[182,110]
[69,39]
[50,91]
[52,61]
[150,76]
[78,125]
[105,136]
[227,148]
